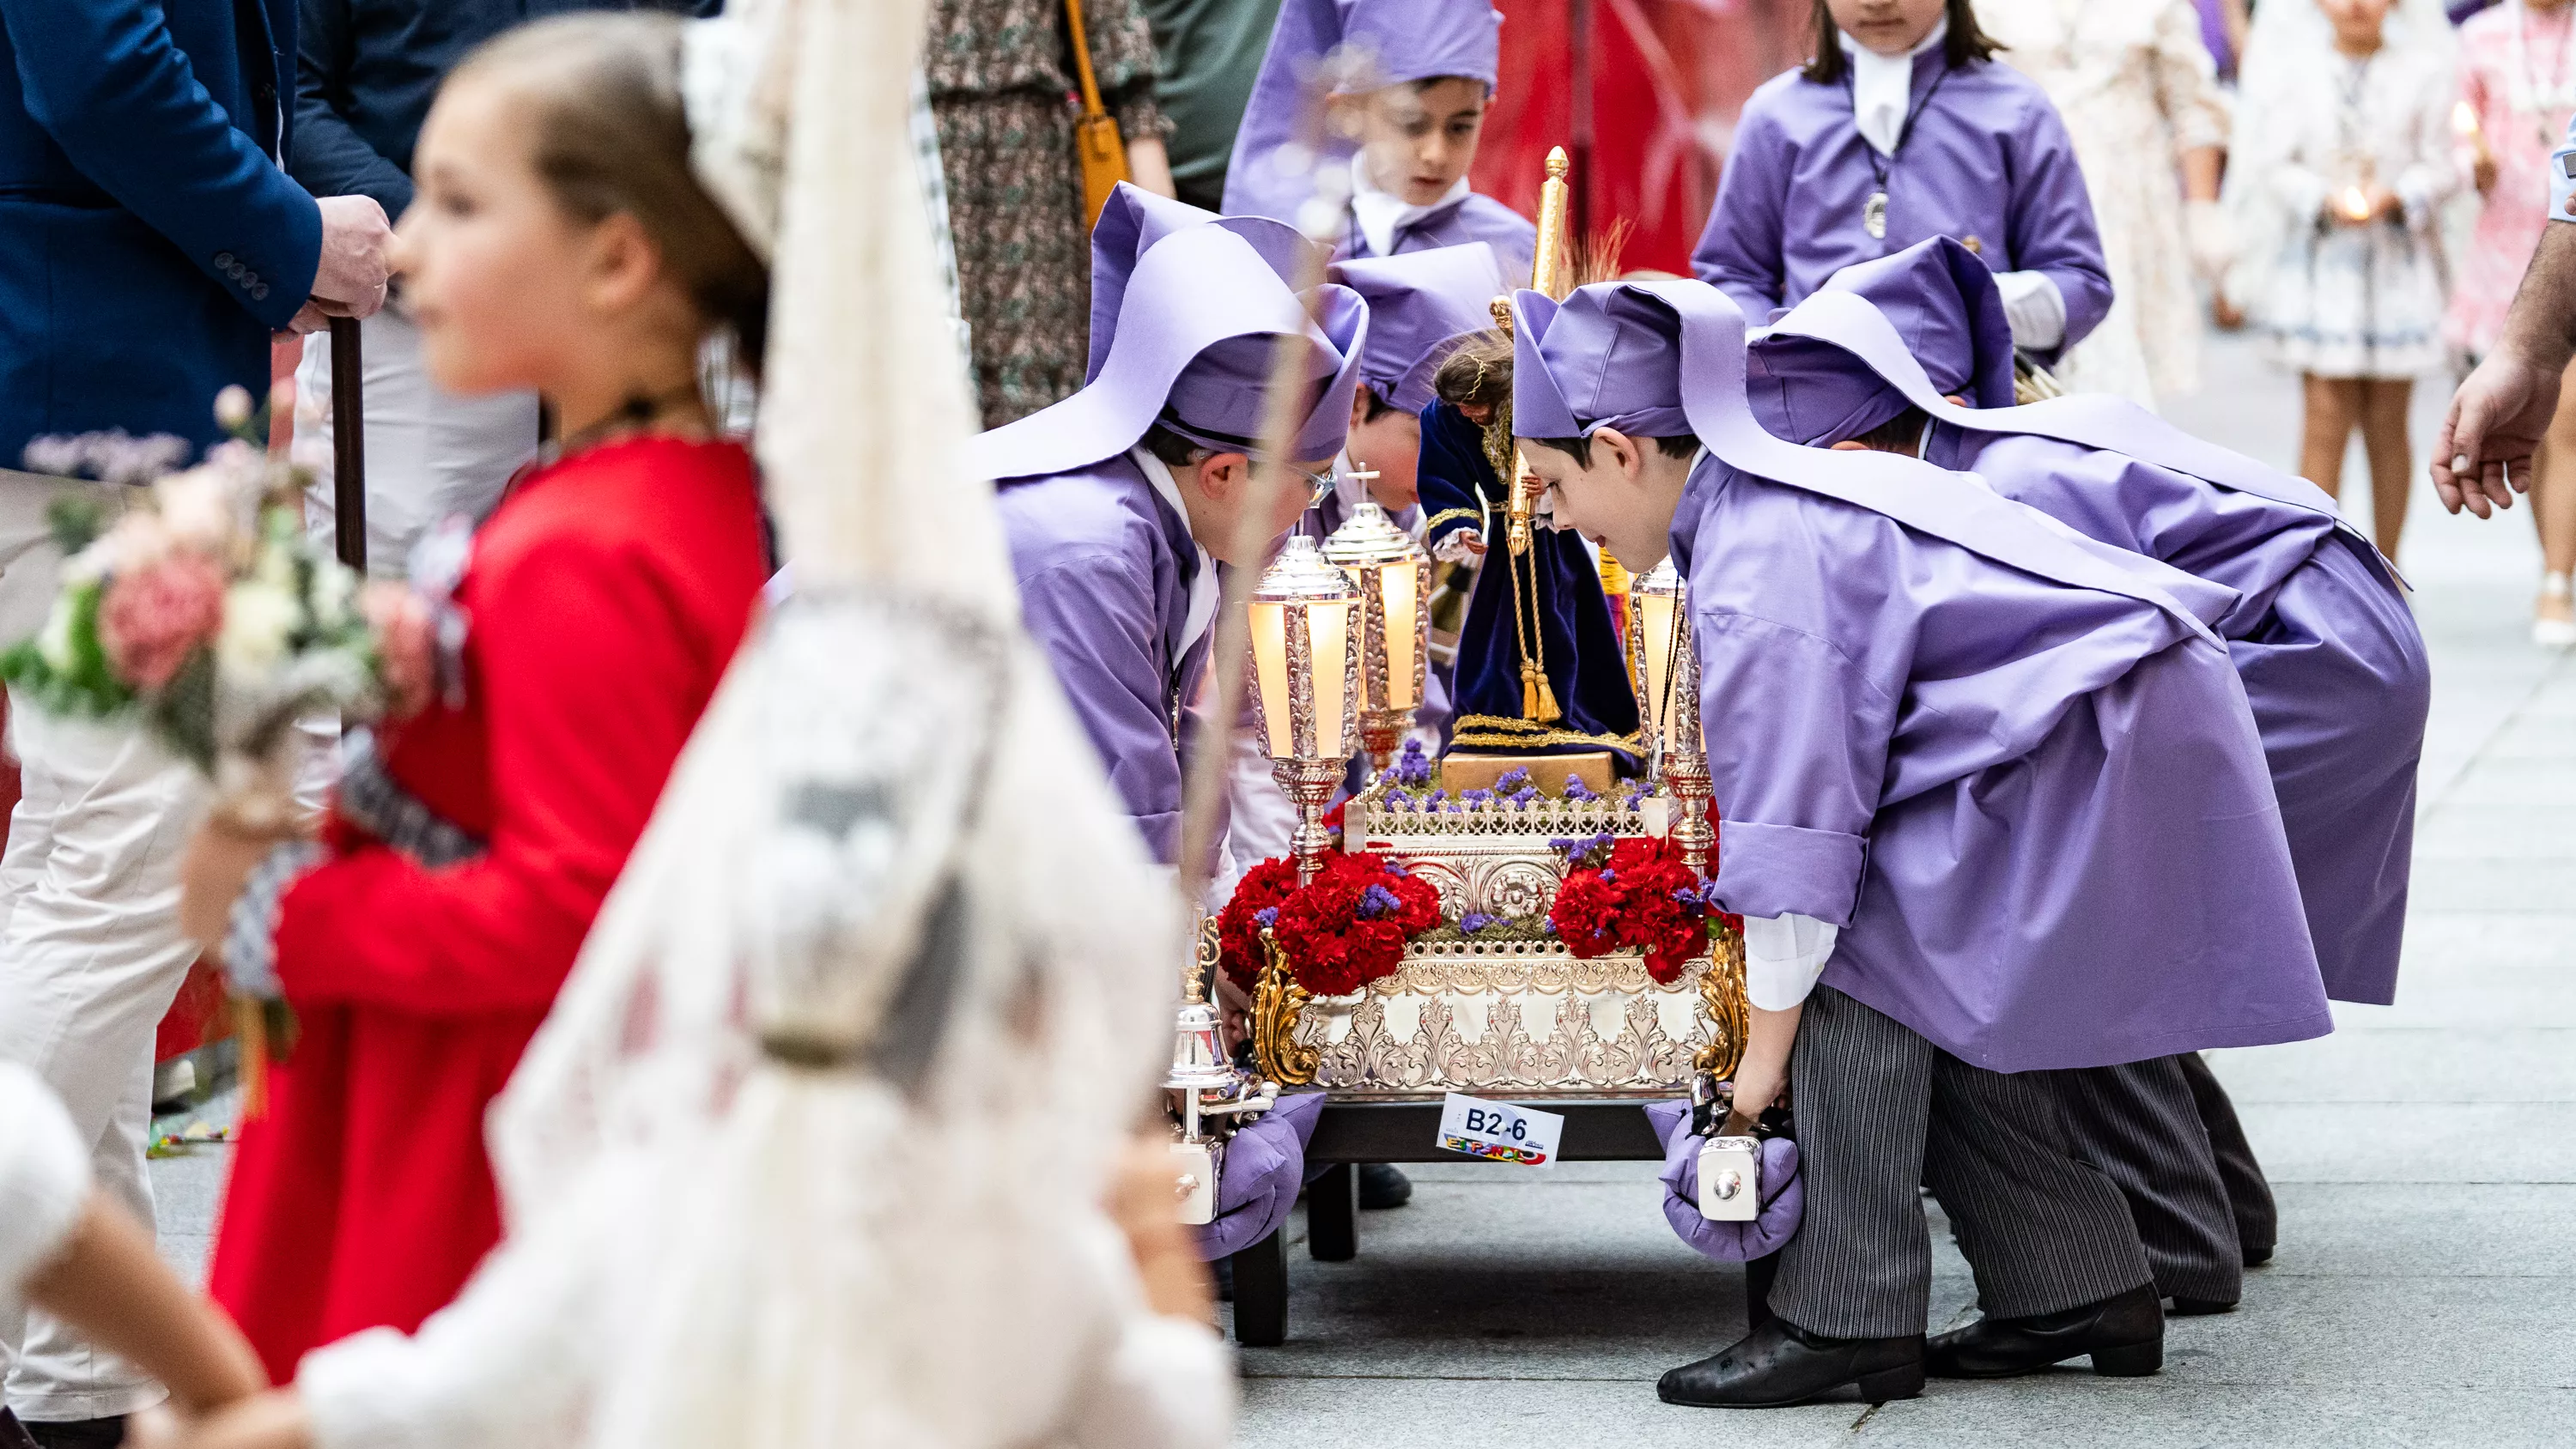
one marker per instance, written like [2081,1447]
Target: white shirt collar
[1381,213]
[1203,583]
[1883,87]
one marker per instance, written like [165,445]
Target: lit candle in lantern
[1393,577]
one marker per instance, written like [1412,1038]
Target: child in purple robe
[1120,501]
[1902,127]
[1991,802]
[1429,67]
[2333,665]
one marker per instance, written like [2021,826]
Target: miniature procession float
[1520,930]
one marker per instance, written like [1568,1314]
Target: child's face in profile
[1622,499]
[490,262]
[2356,23]
[1420,137]
[1889,27]
[1390,446]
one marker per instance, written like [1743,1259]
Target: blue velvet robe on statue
[1578,642]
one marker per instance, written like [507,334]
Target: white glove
[2035,308]
[2211,236]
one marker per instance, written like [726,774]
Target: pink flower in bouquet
[406,640]
[152,618]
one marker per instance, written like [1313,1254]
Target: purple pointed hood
[1942,302]
[1404,40]
[1420,305]
[1607,356]
[1672,357]
[1190,345]
[1134,219]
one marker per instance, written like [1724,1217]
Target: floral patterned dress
[1002,84]
[2518,78]
[2137,88]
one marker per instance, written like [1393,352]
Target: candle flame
[2464,119]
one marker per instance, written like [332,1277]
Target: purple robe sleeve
[1095,616]
[1798,780]
[2051,220]
[1740,253]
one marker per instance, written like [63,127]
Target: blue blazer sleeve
[105,80]
[2051,219]
[330,158]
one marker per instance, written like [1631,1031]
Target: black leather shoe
[2257,1257]
[1382,1186]
[2199,1307]
[1780,1364]
[2124,1334]
[78,1434]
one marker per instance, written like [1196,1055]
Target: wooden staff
[348,443]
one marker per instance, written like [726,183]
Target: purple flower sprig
[1377,901]
[1585,852]
[1411,768]
[1266,917]
[1577,791]
[1474,921]
[1477,797]
[1696,900]
[111,457]
[1524,797]
[1514,780]
[1396,800]
[1635,799]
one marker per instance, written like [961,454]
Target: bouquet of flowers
[1634,894]
[1337,933]
[206,611]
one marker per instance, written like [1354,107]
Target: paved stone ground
[2425,1157]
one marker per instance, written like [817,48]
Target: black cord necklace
[639,411]
[1873,212]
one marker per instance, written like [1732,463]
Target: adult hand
[219,862]
[2496,421]
[351,280]
[273,1420]
[1144,1204]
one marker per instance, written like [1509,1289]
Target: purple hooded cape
[1273,171]
[1986,157]
[2010,763]
[2333,664]
[1104,565]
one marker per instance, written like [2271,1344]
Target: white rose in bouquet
[258,618]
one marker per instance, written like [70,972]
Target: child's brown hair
[608,134]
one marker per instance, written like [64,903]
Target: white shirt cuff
[1783,956]
[2035,308]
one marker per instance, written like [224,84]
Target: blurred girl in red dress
[559,243]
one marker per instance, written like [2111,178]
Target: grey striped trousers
[2139,1124]
[1881,1110]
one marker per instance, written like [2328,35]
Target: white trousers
[90,952]
[430,454]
